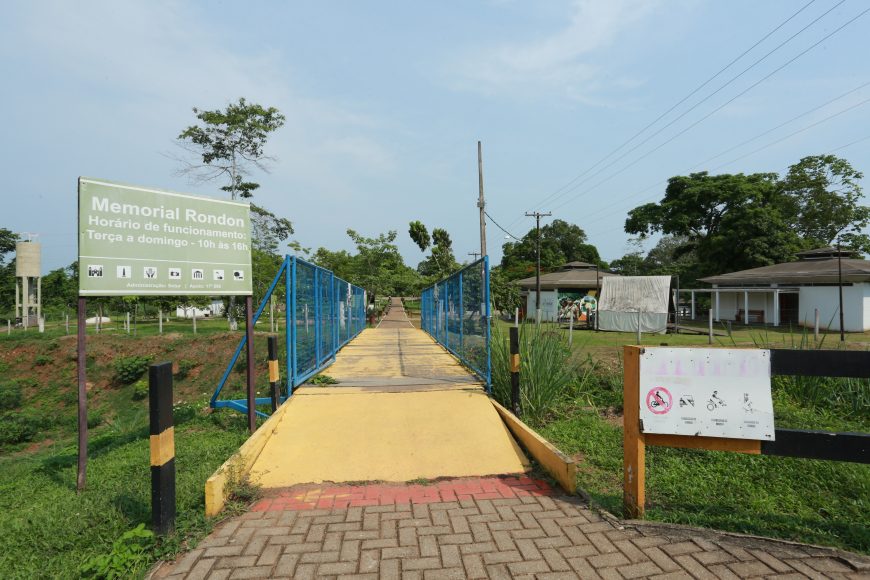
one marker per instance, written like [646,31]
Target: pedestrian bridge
[403,409]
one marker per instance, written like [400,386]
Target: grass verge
[821,502]
[49,531]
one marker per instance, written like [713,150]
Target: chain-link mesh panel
[455,312]
[306,318]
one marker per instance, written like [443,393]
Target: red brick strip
[309,497]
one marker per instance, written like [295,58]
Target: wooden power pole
[538,215]
[480,202]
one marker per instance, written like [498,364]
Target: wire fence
[322,313]
[456,313]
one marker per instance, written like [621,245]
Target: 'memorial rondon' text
[102,204]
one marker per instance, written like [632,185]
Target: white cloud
[564,62]
[150,62]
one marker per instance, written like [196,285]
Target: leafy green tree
[377,261]
[826,192]
[505,294]
[340,262]
[441,262]
[230,143]
[268,230]
[631,264]
[419,234]
[60,288]
[732,222]
[561,242]
[7,243]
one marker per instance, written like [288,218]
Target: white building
[214,310]
[790,293]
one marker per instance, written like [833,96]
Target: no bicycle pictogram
[659,400]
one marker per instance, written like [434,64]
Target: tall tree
[826,192]
[7,243]
[419,234]
[561,242]
[733,222]
[230,143]
[378,260]
[441,262]
[268,230]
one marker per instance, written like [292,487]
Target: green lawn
[821,502]
[49,531]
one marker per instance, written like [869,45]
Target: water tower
[28,282]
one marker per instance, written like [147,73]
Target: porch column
[746,307]
[776,307]
[693,305]
[716,314]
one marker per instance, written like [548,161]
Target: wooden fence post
[515,370]
[273,372]
[162,448]
[634,446]
[249,332]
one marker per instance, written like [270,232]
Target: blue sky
[385,102]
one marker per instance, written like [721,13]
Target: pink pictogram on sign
[659,400]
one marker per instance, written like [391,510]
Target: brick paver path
[505,527]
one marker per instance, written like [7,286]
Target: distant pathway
[396,317]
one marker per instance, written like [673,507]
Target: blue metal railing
[322,314]
[456,313]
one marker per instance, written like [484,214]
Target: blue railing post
[488,326]
[317,317]
[461,316]
[293,368]
[287,329]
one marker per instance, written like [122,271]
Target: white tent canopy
[627,299]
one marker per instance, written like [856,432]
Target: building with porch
[793,292]
[572,281]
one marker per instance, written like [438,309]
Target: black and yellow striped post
[273,372]
[515,369]
[162,448]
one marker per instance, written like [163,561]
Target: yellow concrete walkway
[403,409]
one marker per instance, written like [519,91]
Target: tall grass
[548,374]
[849,397]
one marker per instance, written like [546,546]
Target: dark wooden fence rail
[825,445]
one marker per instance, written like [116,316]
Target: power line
[758,136]
[496,224]
[684,99]
[829,151]
[705,99]
[716,110]
[781,125]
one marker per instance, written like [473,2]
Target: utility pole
[538,215]
[474,255]
[480,203]
[840,284]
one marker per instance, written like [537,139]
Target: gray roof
[570,278]
[817,271]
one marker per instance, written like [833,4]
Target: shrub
[128,369]
[10,395]
[3,366]
[41,360]
[547,373]
[322,380]
[95,419]
[184,368]
[140,390]
[129,556]
[19,427]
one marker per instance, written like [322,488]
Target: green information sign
[138,241]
